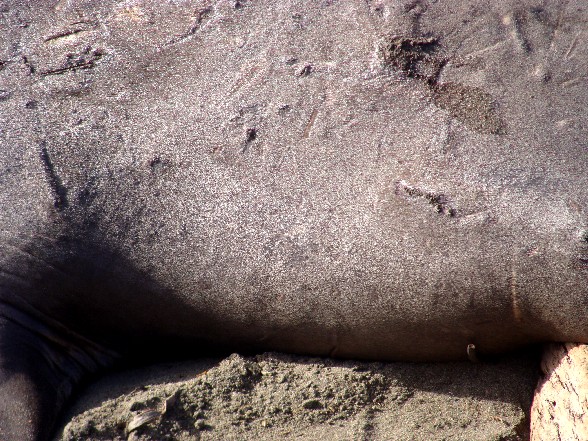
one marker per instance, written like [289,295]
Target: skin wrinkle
[35,258]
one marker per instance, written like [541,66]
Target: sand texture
[275,396]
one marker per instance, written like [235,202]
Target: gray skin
[390,181]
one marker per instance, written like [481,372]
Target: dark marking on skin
[28,65]
[63,34]
[305,71]
[418,58]
[412,56]
[72,68]
[579,257]
[583,258]
[438,200]
[31,105]
[282,110]
[201,15]
[518,22]
[57,188]
[158,165]
[155,162]
[469,105]
[377,10]
[85,60]
[298,20]
[250,136]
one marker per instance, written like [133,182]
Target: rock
[560,406]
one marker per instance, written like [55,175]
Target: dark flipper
[40,365]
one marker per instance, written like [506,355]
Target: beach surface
[275,396]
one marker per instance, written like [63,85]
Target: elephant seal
[390,181]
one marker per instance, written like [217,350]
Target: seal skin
[392,181]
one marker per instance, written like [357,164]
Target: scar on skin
[58,190]
[200,16]
[68,34]
[439,201]
[514,21]
[310,123]
[573,46]
[572,82]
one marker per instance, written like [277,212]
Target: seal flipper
[40,365]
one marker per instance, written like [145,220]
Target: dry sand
[275,396]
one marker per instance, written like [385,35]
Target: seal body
[388,182]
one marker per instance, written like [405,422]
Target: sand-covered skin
[387,180]
[276,396]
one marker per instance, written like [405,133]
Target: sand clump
[275,396]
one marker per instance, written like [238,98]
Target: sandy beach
[274,396]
